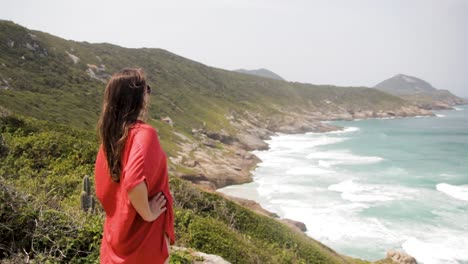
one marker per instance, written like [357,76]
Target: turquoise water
[380,184]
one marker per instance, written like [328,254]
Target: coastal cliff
[208,120]
[215,159]
[420,92]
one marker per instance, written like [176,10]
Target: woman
[131,176]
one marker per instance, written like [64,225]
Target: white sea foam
[343,210]
[458,109]
[439,115]
[324,164]
[443,251]
[338,223]
[446,175]
[299,142]
[274,161]
[360,192]
[307,171]
[458,192]
[329,158]
[346,130]
[385,118]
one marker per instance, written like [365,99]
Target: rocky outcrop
[405,111]
[97,72]
[200,257]
[299,226]
[400,257]
[252,205]
[221,136]
[74,58]
[211,166]
[256,207]
[250,142]
[167,120]
[4,84]
[218,158]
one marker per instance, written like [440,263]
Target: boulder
[400,257]
[201,257]
[251,142]
[74,58]
[251,204]
[168,120]
[295,224]
[222,136]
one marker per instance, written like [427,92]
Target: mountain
[419,92]
[208,120]
[61,81]
[261,72]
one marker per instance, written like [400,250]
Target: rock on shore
[400,257]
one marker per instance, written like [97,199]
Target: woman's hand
[157,204]
[148,209]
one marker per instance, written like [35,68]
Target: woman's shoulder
[142,129]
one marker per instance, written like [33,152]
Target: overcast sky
[346,43]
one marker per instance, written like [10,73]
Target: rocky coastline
[213,167]
[217,159]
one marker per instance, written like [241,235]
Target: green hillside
[50,98]
[43,81]
[41,168]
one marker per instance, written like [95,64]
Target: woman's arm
[148,209]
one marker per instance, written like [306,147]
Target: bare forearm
[149,210]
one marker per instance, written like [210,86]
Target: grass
[50,160]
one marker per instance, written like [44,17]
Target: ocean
[380,184]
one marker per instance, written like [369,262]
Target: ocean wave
[446,175]
[439,115]
[457,192]
[385,118]
[325,164]
[299,142]
[458,109]
[359,192]
[275,185]
[340,225]
[444,251]
[346,130]
[307,171]
[274,161]
[329,158]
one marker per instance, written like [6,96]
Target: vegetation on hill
[261,72]
[41,168]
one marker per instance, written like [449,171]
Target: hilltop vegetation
[261,72]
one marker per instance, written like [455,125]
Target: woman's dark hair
[124,102]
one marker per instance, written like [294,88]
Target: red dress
[127,237]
